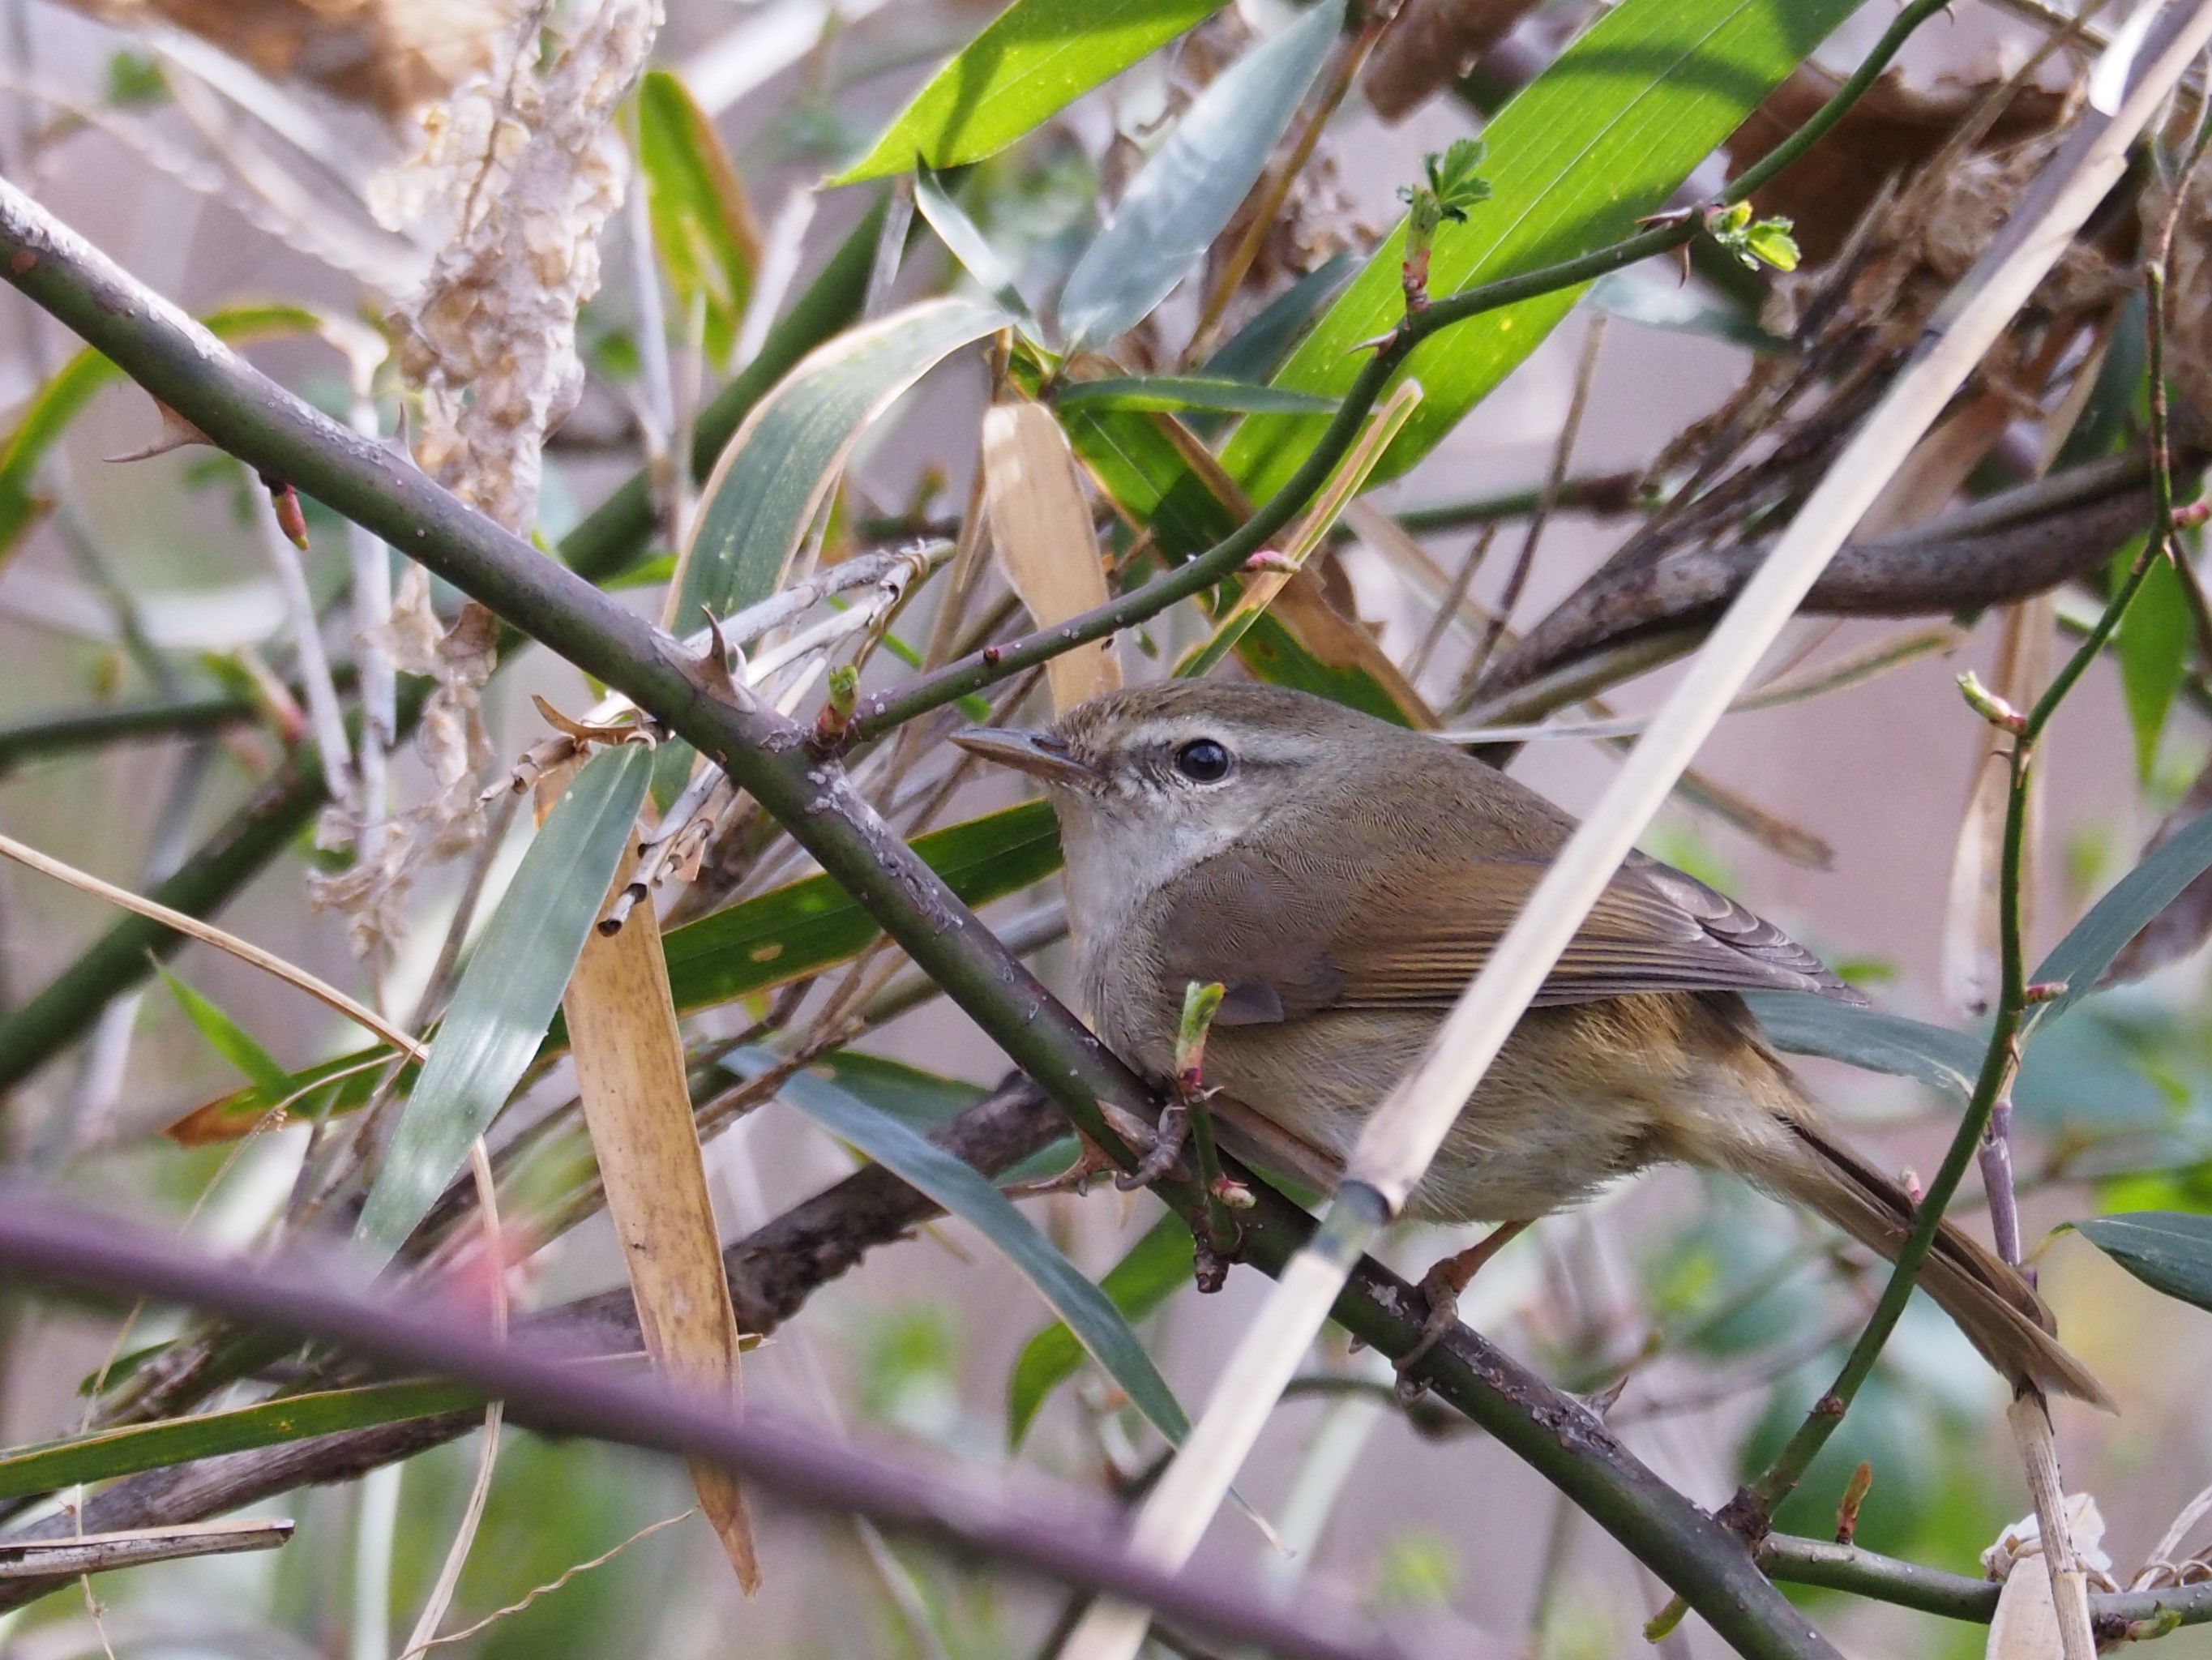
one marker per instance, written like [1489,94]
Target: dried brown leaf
[632,1077]
[1042,531]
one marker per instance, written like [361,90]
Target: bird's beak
[1038,753]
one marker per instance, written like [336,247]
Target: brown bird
[1344,879]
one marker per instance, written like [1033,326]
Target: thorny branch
[772,761]
[257,426]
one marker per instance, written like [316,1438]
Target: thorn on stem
[1855,1493]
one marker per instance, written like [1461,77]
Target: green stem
[1955,1595]
[1753,1507]
[166,717]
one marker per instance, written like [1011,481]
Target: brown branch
[2021,542]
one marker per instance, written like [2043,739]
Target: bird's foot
[1440,1288]
[1159,1156]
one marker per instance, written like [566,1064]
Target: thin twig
[1563,452]
[420,1645]
[208,934]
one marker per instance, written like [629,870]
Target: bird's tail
[1994,1305]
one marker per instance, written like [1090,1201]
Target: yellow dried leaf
[630,1075]
[1040,527]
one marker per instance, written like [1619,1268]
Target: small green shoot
[1452,186]
[1755,242]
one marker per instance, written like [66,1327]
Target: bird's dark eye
[1202,761]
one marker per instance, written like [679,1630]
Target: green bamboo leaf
[2170,1251]
[1186,391]
[702,225]
[1805,1024]
[48,413]
[966,1193]
[228,1039]
[1258,348]
[509,992]
[807,926]
[1156,1266]
[972,249]
[1034,60]
[1598,141]
[1178,203]
[783,462]
[2080,958]
[924,1101]
[2156,638]
[109,1453]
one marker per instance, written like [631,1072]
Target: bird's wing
[1654,929]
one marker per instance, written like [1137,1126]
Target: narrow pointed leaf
[228,1039]
[972,249]
[703,227]
[1156,1267]
[811,924]
[2170,1251]
[1257,349]
[1040,533]
[1187,391]
[2080,958]
[509,993]
[328,1088]
[968,1193]
[1034,60]
[1180,199]
[783,462]
[632,1080]
[924,1101]
[1805,1024]
[108,1453]
[1598,140]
